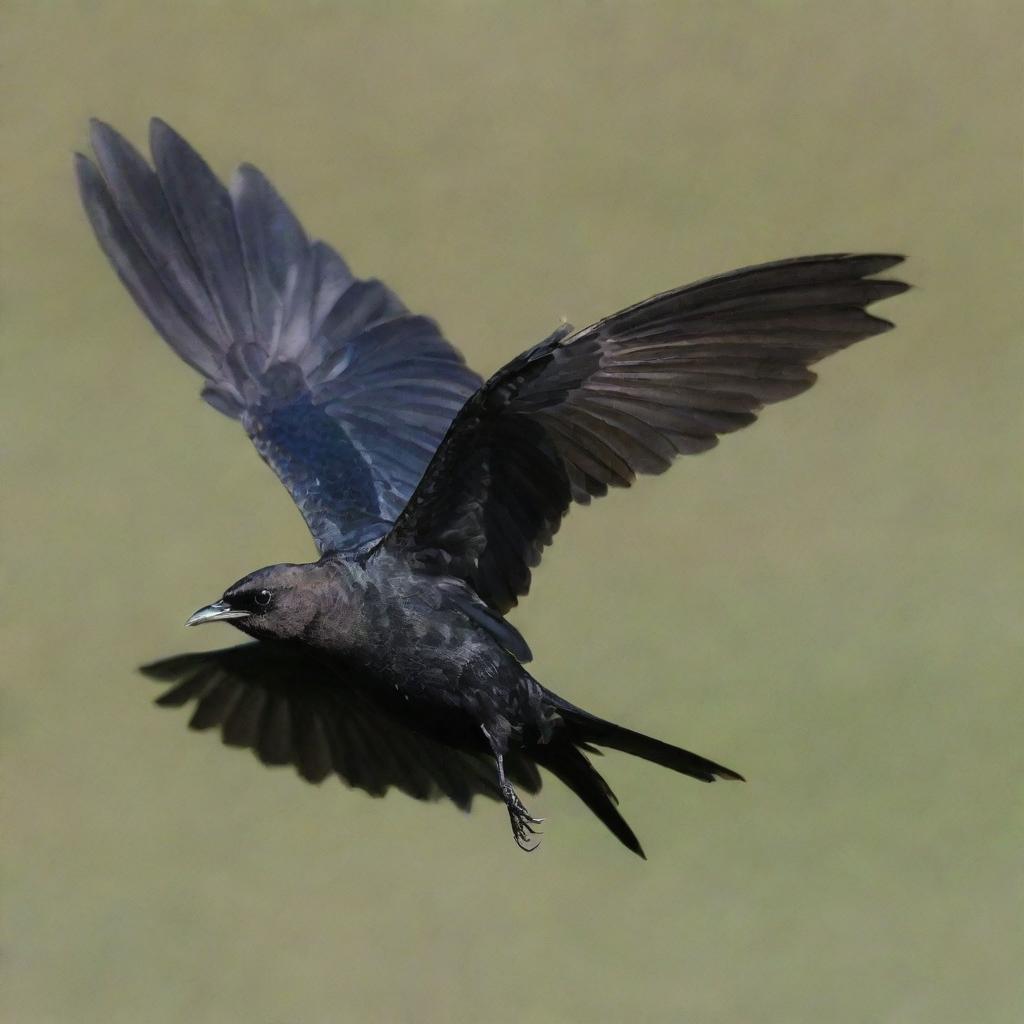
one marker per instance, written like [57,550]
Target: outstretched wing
[344,393]
[288,709]
[585,411]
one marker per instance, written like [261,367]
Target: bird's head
[279,602]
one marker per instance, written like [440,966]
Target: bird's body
[430,494]
[411,646]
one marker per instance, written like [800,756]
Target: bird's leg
[523,831]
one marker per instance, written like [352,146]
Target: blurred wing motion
[288,709]
[588,410]
[344,393]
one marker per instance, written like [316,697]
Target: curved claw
[525,835]
[520,818]
[526,839]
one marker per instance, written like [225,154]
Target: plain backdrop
[830,602]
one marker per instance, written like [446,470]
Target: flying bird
[430,494]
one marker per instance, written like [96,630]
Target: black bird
[430,495]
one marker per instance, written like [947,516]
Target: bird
[430,493]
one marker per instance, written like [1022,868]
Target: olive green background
[830,602]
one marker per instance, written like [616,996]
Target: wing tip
[85,169]
[159,128]
[880,260]
[100,133]
[169,148]
[100,129]
[885,260]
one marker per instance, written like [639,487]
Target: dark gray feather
[583,412]
[344,393]
[282,703]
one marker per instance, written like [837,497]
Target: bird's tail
[569,764]
[585,728]
[564,757]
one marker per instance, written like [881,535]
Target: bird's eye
[262,598]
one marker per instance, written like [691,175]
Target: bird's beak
[219,611]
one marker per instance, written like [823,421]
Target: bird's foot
[526,836]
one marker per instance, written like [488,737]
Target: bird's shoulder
[442,608]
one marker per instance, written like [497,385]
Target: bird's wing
[585,411]
[343,391]
[288,709]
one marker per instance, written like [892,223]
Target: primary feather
[585,411]
[344,393]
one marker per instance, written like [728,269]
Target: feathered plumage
[430,496]
[343,391]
